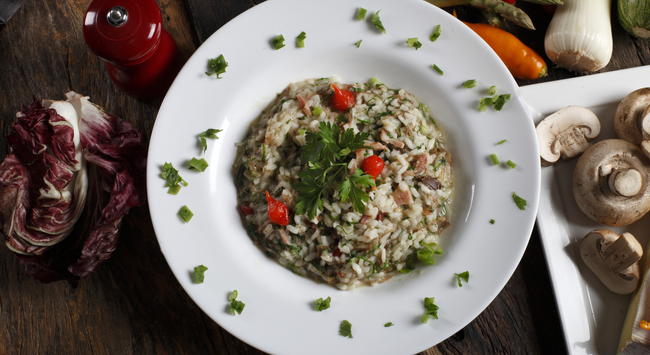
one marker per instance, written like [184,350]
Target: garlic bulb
[579,37]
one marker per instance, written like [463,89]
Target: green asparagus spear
[506,10]
[546,2]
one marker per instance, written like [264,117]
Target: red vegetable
[245,208]
[69,162]
[373,165]
[343,99]
[278,211]
[337,252]
[511,2]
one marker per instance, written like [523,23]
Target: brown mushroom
[613,258]
[611,183]
[566,133]
[632,121]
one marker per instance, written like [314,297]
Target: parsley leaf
[521,203]
[346,329]
[326,157]
[432,309]
[377,22]
[410,264]
[323,304]
[361,13]
[210,133]
[413,42]
[217,65]
[174,181]
[199,274]
[389,324]
[236,306]
[462,276]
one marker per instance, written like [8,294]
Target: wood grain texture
[133,304]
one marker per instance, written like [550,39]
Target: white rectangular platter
[591,315]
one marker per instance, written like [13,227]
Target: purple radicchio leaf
[62,166]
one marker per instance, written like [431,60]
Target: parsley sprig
[326,156]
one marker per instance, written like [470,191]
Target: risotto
[350,195]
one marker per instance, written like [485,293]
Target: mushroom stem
[626,183]
[621,254]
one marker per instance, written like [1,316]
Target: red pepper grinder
[141,57]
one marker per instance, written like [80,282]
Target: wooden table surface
[132,304]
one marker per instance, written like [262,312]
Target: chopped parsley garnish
[278,42]
[521,203]
[185,214]
[326,156]
[316,111]
[426,253]
[300,40]
[361,13]
[323,304]
[346,329]
[389,324]
[511,164]
[263,153]
[492,221]
[471,83]
[236,306]
[435,34]
[431,309]
[377,22]
[174,181]
[199,274]
[413,42]
[217,65]
[501,142]
[436,68]
[440,162]
[464,276]
[497,101]
[358,44]
[210,133]
[495,159]
[492,90]
[500,101]
[198,164]
[410,264]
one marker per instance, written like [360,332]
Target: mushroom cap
[592,191]
[614,259]
[566,132]
[629,122]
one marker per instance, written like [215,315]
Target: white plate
[279,316]
[592,316]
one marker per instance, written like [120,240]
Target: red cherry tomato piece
[511,2]
[343,99]
[549,9]
[278,211]
[373,165]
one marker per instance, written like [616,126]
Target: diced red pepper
[342,99]
[337,252]
[511,2]
[278,212]
[245,208]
